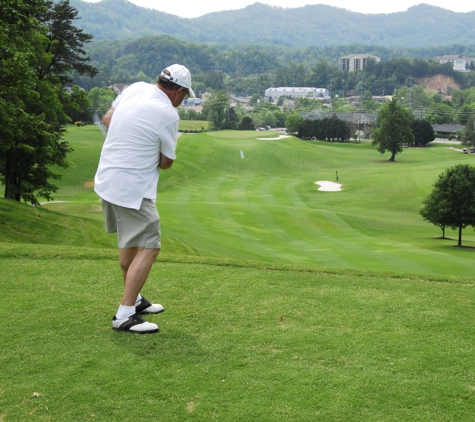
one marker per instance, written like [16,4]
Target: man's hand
[165,162]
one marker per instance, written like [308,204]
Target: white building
[459,63]
[297,92]
[355,62]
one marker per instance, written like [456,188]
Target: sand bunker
[274,139]
[328,186]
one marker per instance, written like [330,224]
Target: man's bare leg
[136,264]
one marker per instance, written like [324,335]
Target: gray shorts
[134,228]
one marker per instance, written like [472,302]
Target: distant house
[447,129]
[205,96]
[297,92]
[355,62]
[234,101]
[459,62]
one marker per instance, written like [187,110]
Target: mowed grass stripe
[380,201]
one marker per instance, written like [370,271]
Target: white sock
[139,298]
[125,312]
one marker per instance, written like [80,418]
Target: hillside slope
[312,25]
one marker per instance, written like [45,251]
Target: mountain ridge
[311,25]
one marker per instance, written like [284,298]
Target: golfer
[142,138]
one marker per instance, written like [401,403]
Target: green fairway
[282,302]
[267,207]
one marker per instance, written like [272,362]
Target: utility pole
[362,81]
[330,85]
[410,82]
[293,79]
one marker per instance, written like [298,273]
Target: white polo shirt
[144,124]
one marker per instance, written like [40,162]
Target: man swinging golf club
[142,138]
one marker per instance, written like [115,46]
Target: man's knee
[151,253]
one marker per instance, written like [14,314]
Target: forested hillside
[248,69]
[313,25]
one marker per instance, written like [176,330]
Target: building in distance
[297,92]
[354,62]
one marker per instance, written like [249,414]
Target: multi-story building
[355,62]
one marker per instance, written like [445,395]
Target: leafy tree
[452,200]
[39,50]
[433,211]
[468,135]
[269,119]
[232,119]
[247,124]
[464,113]
[394,129]
[64,51]
[76,105]
[423,132]
[294,123]
[215,109]
[101,99]
[280,118]
[255,98]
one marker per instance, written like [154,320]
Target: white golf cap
[179,75]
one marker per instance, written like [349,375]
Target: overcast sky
[195,8]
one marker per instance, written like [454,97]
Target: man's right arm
[106,119]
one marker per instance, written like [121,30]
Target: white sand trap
[328,186]
[274,139]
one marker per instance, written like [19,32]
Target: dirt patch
[439,83]
[89,184]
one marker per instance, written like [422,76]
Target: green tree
[247,124]
[76,105]
[433,211]
[255,98]
[423,132]
[464,114]
[232,119]
[215,109]
[468,135]
[452,200]
[64,53]
[101,99]
[40,49]
[394,129]
[294,123]
[269,119]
